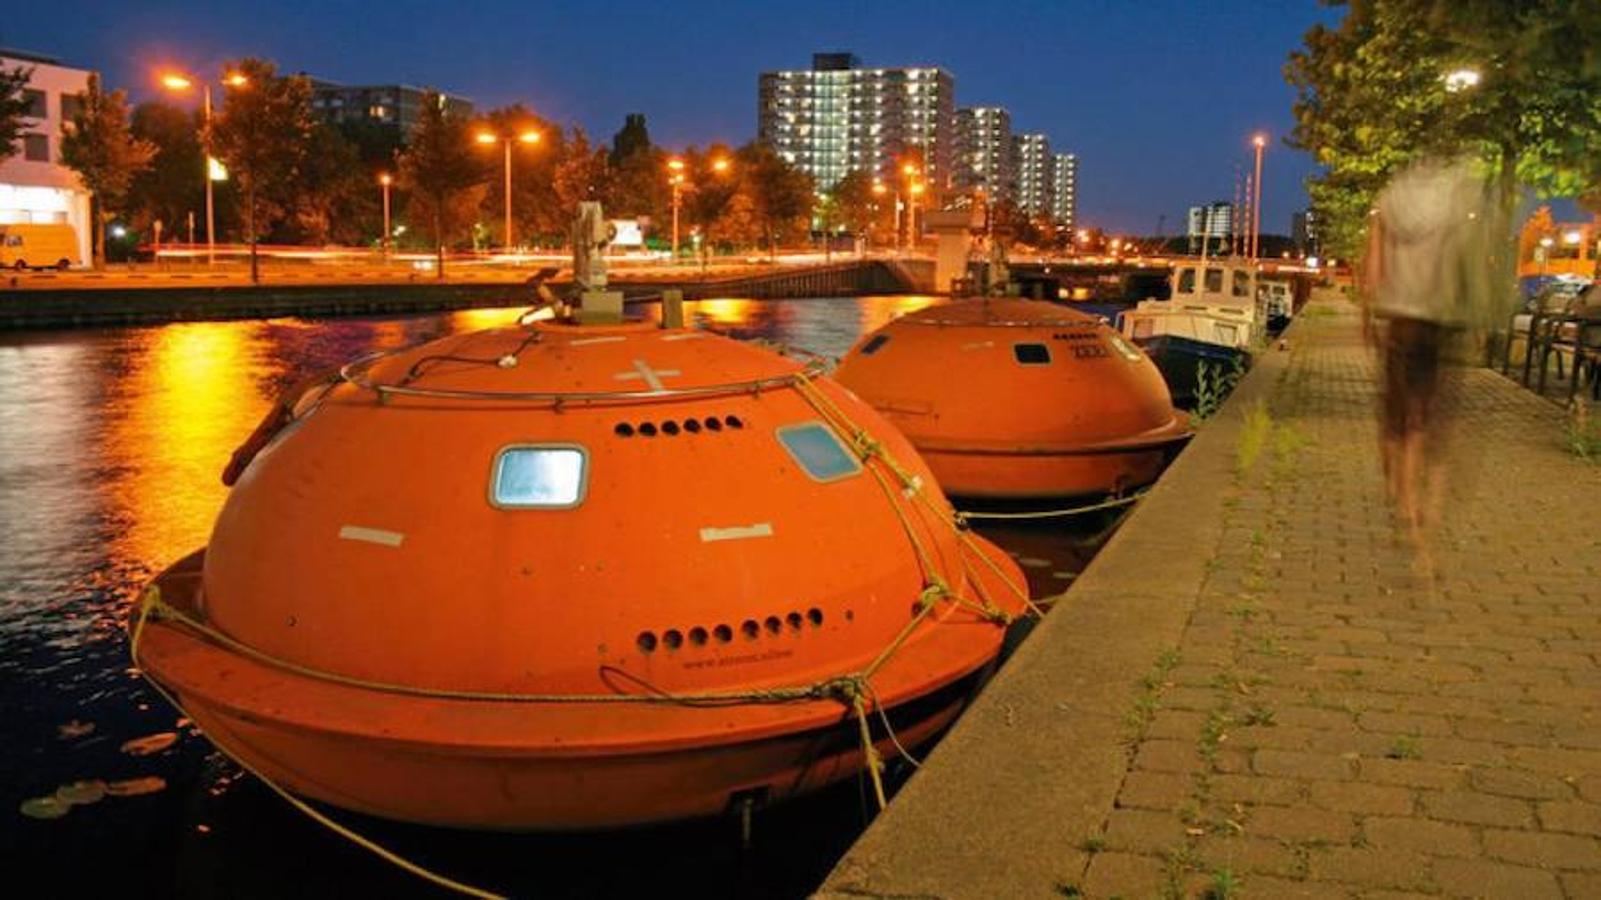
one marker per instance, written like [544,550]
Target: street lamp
[1461,79]
[1259,141]
[879,190]
[384,181]
[177,81]
[507,139]
[675,177]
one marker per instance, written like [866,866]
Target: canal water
[111,446]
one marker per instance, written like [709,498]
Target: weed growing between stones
[1405,747]
[1253,437]
[1581,433]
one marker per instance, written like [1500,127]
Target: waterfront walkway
[1254,690]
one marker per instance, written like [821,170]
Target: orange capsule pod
[562,576]
[1010,399]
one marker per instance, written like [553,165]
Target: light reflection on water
[111,447]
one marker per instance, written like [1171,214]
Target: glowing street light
[486,138]
[1259,141]
[178,81]
[385,180]
[1461,79]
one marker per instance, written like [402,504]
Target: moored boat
[1213,317]
[1012,399]
[572,575]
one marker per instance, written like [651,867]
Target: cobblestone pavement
[1336,721]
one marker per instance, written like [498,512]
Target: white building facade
[984,151]
[1035,170]
[35,188]
[838,117]
[1064,192]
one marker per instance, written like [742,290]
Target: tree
[1373,94]
[336,195]
[263,133]
[581,174]
[856,206]
[632,139]
[171,188]
[443,179]
[98,145]
[711,185]
[780,195]
[13,109]
[638,184]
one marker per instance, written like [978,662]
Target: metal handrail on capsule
[355,374]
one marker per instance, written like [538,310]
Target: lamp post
[523,137]
[1259,141]
[909,171]
[175,81]
[384,181]
[675,177]
[720,166]
[879,190]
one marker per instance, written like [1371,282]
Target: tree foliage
[172,186]
[98,144]
[1373,95]
[13,109]
[263,134]
[780,195]
[855,206]
[443,179]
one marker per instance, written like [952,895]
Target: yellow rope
[147,605]
[852,689]
[965,515]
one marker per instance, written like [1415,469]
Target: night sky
[1159,98]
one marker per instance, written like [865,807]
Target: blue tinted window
[539,477]
[819,451]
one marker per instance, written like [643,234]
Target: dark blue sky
[1158,98]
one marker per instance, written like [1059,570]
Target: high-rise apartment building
[35,188]
[984,152]
[1064,191]
[1035,167]
[837,117]
[394,106]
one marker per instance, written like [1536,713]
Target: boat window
[1242,283]
[875,342]
[1186,281]
[540,476]
[819,451]
[1214,281]
[1032,354]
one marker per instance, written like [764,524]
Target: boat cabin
[1212,301]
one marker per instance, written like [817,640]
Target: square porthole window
[539,476]
[819,451]
[1032,354]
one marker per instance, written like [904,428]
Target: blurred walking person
[1429,280]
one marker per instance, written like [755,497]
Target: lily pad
[74,729]
[150,743]
[133,787]
[79,793]
[45,808]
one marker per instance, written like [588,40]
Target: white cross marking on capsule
[653,377]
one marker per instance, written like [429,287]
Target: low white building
[34,186]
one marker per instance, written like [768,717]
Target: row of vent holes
[672,638]
[670,428]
